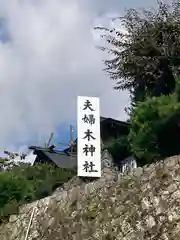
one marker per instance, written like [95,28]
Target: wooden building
[56,158]
[113,129]
[110,129]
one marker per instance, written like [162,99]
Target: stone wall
[144,204]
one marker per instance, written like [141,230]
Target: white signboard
[89,148]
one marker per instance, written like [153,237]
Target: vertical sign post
[89,147]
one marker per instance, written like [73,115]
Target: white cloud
[50,59]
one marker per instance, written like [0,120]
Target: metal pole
[30,221]
[71,138]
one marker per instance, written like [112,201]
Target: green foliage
[155,128]
[7,164]
[44,177]
[13,187]
[145,57]
[119,148]
[3,162]
[25,183]
[14,190]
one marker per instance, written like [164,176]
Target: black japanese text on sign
[89,167]
[88,105]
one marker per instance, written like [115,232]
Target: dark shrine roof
[60,158]
[110,120]
[115,121]
[63,159]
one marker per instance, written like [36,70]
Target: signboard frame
[88,140]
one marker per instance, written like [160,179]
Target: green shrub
[14,187]
[44,178]
[14,190]
[25,183]
[119,148]
[155,129]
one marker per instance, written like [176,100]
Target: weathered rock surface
[142,205]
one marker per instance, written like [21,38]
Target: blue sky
[48,57]
[63,135]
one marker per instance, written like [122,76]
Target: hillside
[142,205]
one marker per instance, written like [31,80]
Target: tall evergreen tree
[146,56]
